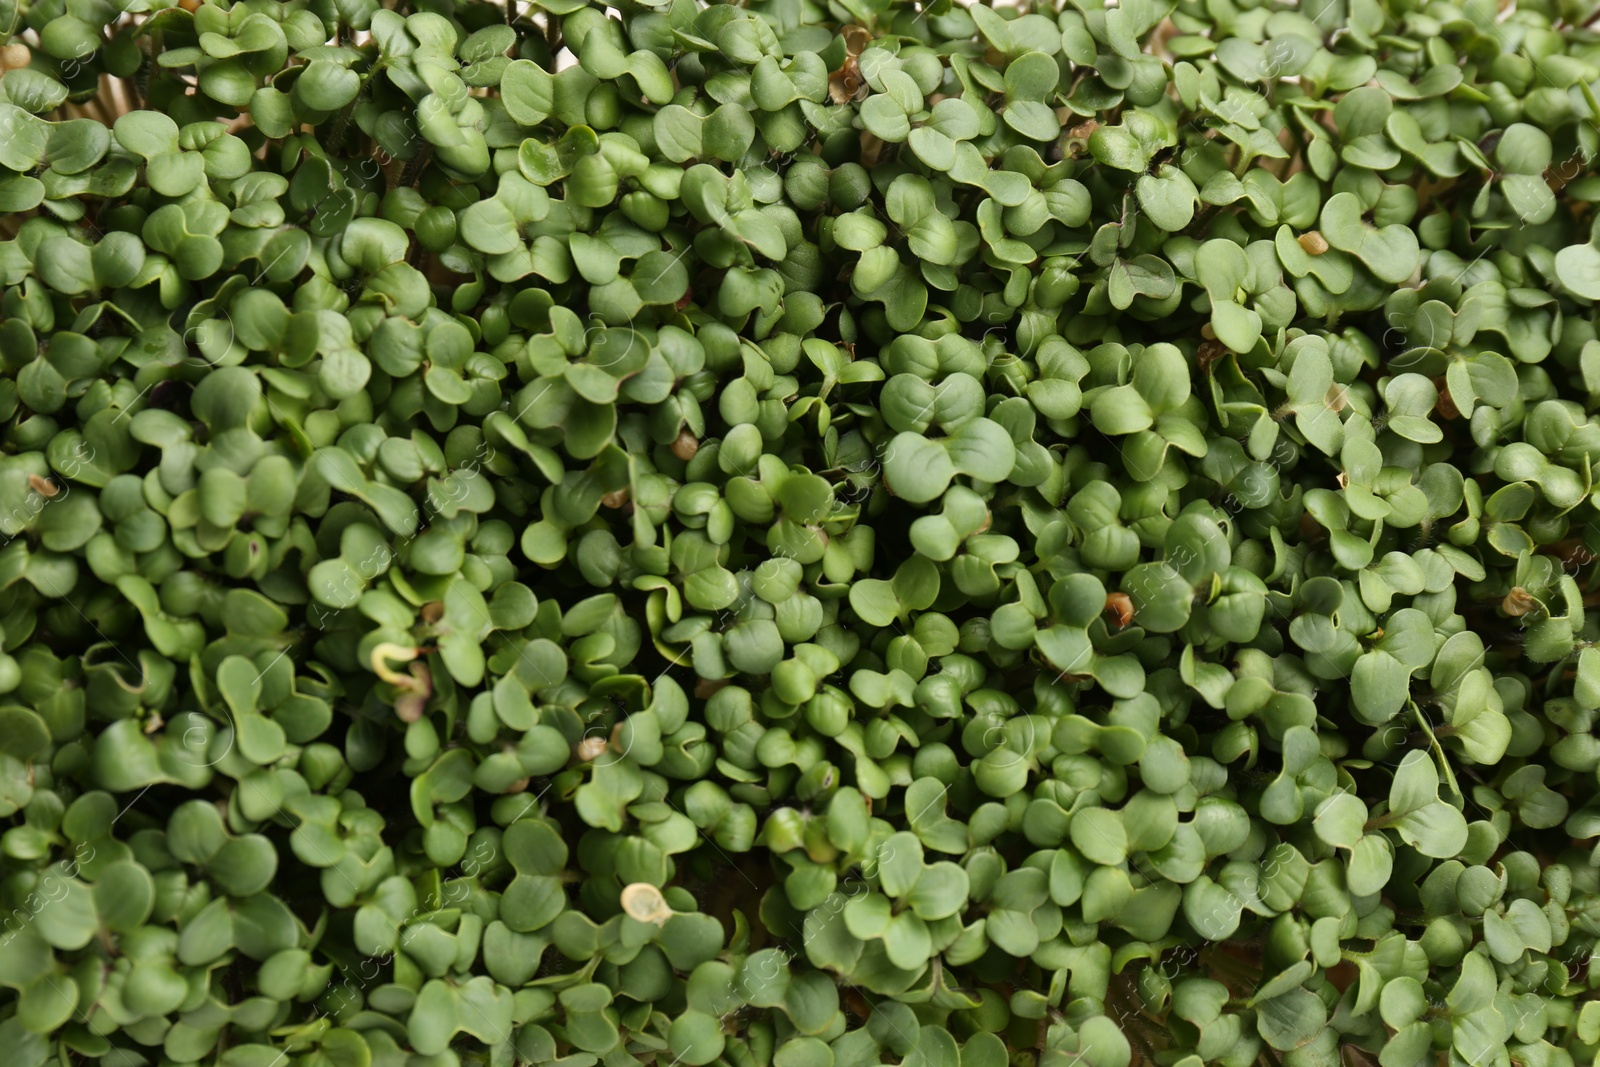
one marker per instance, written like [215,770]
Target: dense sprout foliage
[800,535]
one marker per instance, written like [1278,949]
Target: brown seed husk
[1120,607]
[644,903]
[1446,404]
[1313,242]
[1518,602]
